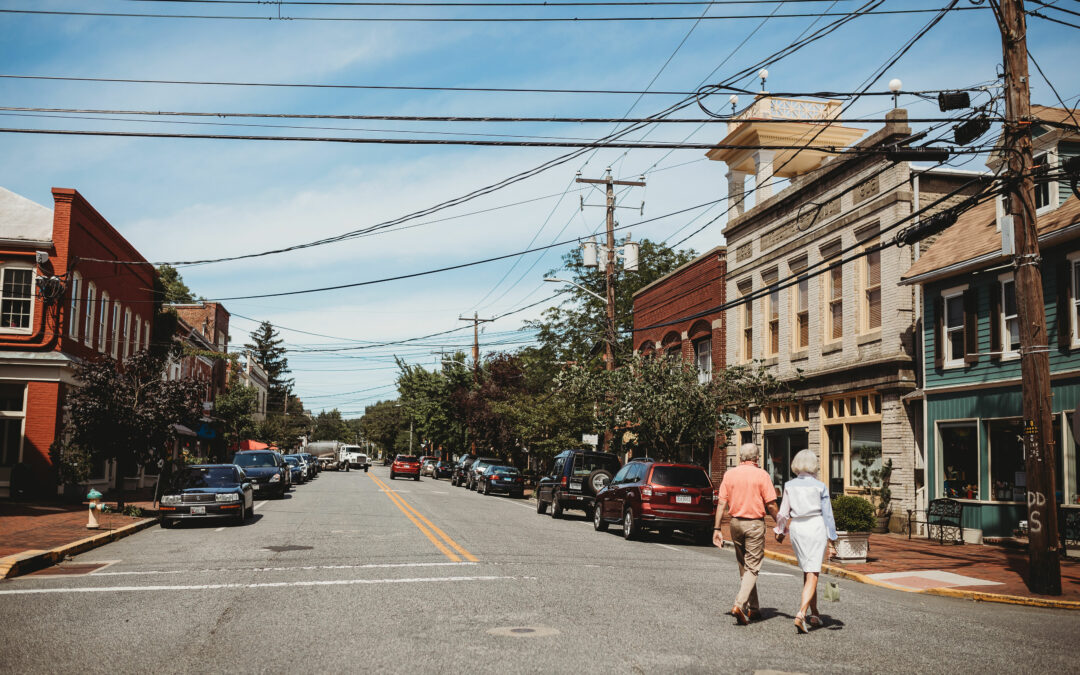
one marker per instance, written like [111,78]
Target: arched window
[76,303]
[115,330]
[103,323]
[672,344]
[701,337]
[647,348]
[127,333]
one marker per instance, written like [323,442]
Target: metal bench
[943,514]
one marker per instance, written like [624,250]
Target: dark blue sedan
[207,491]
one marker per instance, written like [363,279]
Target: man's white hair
[805,461]
[748,452]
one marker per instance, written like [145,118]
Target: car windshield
[406,458]
[205,477]
[254,459]
[292,461]
[586,464]
[679,476]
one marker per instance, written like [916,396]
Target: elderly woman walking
[806,513]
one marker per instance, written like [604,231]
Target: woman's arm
[784,515]
[826,513]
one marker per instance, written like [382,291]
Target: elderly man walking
[748,492]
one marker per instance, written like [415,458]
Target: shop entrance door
[836,459]
[780,447]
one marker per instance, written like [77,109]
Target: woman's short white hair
[748,452]
[805,461]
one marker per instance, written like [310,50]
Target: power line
[605,3]
[402,19]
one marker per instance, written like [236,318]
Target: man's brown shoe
[739,615]
[753,614]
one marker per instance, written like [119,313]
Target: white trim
[114,323]
[947,361]
[1052,196]
[90,314]
[73,308]
[103,322]
[19,265]
[1006,354]
[1074,330]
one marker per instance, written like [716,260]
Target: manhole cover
[288,547]
[523,631]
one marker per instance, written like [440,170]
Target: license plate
[575,484]
[254,486]
[683,499]
[198,510]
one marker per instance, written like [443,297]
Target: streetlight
[402,405]
[567,281]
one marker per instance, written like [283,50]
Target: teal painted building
[971,389]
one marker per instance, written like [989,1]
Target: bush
[853,514]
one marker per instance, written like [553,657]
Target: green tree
[329,426]
[668,413]
[269,350]
[426,398]
[173,286]
[235,407]
[128,413]
[383,423]
[576,330]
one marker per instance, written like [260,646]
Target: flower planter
[852,547]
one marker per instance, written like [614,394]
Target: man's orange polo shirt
[747,489]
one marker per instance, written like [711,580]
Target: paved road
[355,572]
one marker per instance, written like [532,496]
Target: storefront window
[836,459]
[865,450]
[1072,461]
[1007,470]
[960,459]
[780,447]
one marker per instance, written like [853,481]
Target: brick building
[250,373]
[202,329]
[689,290]
[831,322]
[59,305]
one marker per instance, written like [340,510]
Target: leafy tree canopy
[234,407]
[268,348]
[173,286]
[329,426]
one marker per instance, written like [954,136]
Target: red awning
[253,445]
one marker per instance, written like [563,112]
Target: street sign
[206,431]
[590,439]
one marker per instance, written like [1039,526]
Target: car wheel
[392,475]
[417,477]
[598,522]
[166,523]
[631,529]
[348,468]
[597,480]
[541,506]
[453,481]
[556,506]
[487,488]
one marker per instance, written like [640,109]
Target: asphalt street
[358,573]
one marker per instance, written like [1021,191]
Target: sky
[180,199]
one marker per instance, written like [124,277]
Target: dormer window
[1045,189]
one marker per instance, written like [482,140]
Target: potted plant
[854,518]
[874,476]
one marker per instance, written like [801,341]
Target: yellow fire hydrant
[95,505]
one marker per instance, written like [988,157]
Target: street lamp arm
[567,281]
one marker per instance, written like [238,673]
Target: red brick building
[696,287]
[59,304]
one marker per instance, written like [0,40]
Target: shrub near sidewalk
[854,518]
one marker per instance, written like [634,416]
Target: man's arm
[772,509]
[717,535]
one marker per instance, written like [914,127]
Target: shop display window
[865,448]
[960,460]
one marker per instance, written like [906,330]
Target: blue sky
[177,199]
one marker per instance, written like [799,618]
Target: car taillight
[646,494]
[716,496]
[563,483]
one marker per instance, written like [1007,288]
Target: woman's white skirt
[808,538]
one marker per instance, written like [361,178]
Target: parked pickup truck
[356,458]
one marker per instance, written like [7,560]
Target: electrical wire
[559,3]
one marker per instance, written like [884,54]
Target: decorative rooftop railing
[794,109]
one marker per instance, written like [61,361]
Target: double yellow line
[424,525]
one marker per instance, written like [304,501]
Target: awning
[253,445]
[182,430]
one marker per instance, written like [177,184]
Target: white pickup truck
[355,457]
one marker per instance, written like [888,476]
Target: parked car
[443,469]
[660,496]
[313,464]
[266,470]
[461,470]
[576,476]
[428,468]
[405,465]
[207,491]
[477,468]
[297,469]
[500,478]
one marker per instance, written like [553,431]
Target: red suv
[658,495]
[405,465]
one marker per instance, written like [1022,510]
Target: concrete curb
[31,561]
[979,596]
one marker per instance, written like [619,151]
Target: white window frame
[114,348]
[746,323]
[798,299]
[864,321]
[704,374]
[939,452]
[8,330]
[18,417]
[771,312]
[1074,297]
[89,315]
[137,342]
[1052,196]
[1003,329]
[146,335]
[73,308]
[103,323]
[829,301]
[946,346]
[127,332]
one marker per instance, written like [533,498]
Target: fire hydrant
[95,505]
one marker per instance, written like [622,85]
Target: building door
[780,447]
[836,459]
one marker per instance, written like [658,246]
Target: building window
[1043,192]
[73,310]
[1074,268]
[865,449]
[12,411]
[127,333]
[1010,325]
[960,460]
[872,291]
[953,338]
[746,312]
[801,334]
[115,330]
[703,359]
[146,335]
[16,298]
[138,334]
[835,296]
[90,307]
[772,308]
[103,323]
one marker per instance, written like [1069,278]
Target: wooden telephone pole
[610,183]
[1044,569]
[476,342]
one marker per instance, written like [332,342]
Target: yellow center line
[401,502]
[398,502]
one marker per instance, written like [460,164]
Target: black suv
[461,470]
[575,478]
[472,476]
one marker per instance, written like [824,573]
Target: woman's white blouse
[805,496]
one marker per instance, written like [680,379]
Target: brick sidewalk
[25,527]
[1005,566]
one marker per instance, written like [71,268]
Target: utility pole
[609,270]
[476,342]
[1044,568]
